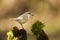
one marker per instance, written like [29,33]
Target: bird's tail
[12,19]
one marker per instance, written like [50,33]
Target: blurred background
[47,11]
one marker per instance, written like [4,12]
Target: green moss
[37,27]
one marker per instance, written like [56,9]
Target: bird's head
[29,13]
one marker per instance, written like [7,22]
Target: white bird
[22,18]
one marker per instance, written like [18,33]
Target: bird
[22,19]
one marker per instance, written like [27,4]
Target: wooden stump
[43,36]
[23,34]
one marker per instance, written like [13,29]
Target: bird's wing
[21,17]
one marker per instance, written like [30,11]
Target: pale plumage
[23,18]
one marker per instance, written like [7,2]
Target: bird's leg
[22,26]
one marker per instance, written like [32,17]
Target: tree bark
[42,36]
